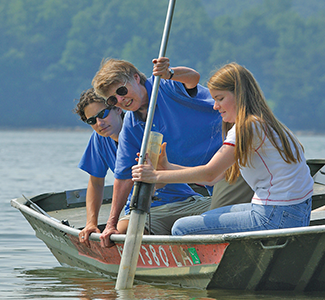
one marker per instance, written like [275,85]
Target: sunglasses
[102,115]
[121,91]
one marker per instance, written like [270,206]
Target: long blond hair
[251,107]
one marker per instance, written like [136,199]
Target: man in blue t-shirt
[100,155]
[184,115]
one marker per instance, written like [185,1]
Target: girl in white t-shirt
[257,145]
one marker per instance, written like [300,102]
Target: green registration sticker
[194,255]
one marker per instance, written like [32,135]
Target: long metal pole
[131,249]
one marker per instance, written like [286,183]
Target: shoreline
[88,129]
[50,129]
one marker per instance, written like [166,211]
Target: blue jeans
[245,217]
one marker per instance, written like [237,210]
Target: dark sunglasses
[121,91]
[102,115]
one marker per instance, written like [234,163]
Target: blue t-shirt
[99,156]
[190,126]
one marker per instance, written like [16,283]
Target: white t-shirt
[274,181]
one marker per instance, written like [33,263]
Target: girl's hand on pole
[163,163]
[144,173]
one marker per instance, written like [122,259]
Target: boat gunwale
[189,239]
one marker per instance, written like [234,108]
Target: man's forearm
[189,77]
[121,191]
[94,198]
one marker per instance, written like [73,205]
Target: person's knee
[180,226]
[122,226]
[176,228]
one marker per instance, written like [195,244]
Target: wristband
[171,72]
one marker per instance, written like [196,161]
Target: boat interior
[69,207]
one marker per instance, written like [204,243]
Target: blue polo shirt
[190,126]
[99,156]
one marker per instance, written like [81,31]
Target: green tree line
[51,49]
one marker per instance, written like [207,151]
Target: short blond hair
[114,71]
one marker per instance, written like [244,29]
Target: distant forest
[51,49]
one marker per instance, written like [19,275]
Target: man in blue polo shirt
[184,115]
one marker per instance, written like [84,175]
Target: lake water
[35,162]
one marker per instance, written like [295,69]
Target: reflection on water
[60,282]
[83,285]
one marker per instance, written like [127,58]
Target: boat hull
[287,259]
[160,261]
